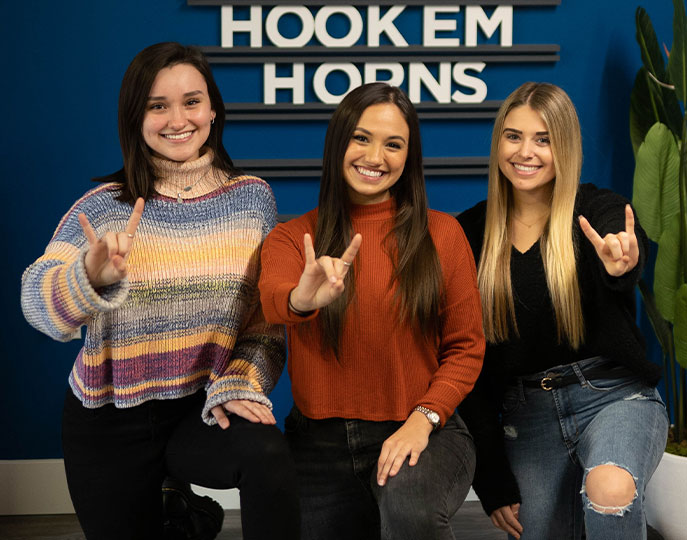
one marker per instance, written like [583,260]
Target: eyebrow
[358,128]
[187,94]
[520,132]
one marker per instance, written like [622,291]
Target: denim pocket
[511,400]
[610,384]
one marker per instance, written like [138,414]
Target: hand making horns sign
[619,252]
[322,279]
[105,260]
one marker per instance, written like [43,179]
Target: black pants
[116,460]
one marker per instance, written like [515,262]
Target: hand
[105,259]
[410,439]
[322,279]
[506,519]
[250,410]
[619,253]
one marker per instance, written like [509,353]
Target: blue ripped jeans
[554,438]
[336,462]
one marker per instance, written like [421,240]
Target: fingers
[135,217]
[352,250]
[309,249]
[88,229]
[591,234]
[220,416]
[390,461]
[505,518]
[252,411]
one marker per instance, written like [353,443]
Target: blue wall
[62,64]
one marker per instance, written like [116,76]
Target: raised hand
[619,252]
[410,439]
[322,279]
[250,410]
[105,260]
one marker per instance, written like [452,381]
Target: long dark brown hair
[409,244]
[137,176]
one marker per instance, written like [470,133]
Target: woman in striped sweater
[160,263]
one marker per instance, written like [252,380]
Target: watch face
[433,417]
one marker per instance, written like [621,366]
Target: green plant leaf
[677,69]
[667,274]
[655,194]
[680,326]
[661,327]
[652,57]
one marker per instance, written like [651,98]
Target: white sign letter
[353,16]
[431,25]
[396,71]
[229,26]
[502,16]
[478,85]
[419,74]
[296,83]
[307,26]
[377,26]
[320,80]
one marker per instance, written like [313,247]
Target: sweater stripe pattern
[188,314]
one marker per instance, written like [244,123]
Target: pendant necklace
[188,188]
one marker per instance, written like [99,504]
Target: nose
[177,119]
[526,149]
[374,154]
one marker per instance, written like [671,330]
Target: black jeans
[336,460]
[116,460]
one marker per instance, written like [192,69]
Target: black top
[608,308]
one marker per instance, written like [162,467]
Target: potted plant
[658,129]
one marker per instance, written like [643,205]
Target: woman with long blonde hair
[565,415]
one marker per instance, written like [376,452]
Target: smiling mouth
[368,172]
[526,168]
[177,136]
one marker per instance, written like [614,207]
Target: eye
[193,101]
[512,136]
[155,107]
[543,141]
[394,145]
[360,138]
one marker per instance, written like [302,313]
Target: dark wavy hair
[409,244]
[137,176]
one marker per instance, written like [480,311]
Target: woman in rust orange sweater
[384,332]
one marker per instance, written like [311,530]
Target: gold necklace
[530,225]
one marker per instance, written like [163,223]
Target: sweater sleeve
[494,481]
[283,261]
[56,295]
[259,354]
[605,211]
[462,342]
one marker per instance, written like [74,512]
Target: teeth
[525,168]
[368,172]
[177,136]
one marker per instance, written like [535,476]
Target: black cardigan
[609,312]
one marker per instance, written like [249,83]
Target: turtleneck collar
[374,212]
[175,176]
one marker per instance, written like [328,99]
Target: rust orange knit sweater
[384,370]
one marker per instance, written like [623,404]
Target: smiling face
[525,155]
[178,114]
[376,153]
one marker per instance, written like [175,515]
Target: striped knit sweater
[188,314]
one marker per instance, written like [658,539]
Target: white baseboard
[39,486]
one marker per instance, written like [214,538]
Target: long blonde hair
[557,242]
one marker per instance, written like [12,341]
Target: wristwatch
[431,415]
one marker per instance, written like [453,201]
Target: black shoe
[188,516]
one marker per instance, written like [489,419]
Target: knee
[610,489]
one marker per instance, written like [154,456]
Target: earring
[212,122]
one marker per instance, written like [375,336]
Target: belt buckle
[547,383]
